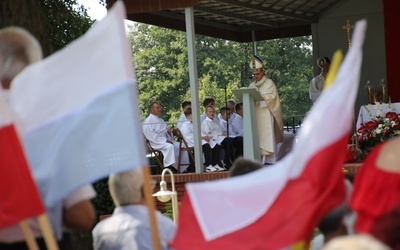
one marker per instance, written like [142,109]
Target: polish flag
[77,113]
[19,195]
[277,206]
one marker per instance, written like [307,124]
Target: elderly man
[18,49]
[160,137]
[129,226]
[268,112]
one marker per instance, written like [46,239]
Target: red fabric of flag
[18,192]
[291,218]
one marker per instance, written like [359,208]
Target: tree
[55,23]
[160,58]
[288,63]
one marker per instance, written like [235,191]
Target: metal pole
[189,17]
[253,39]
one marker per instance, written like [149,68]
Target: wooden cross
[348,27]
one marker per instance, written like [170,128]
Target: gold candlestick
[368,88]
[384,91]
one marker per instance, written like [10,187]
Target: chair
[157,155]
[183,147]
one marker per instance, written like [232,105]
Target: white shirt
[316,85]
[212,129]
[181,120]
[204,116]
[237,123]
[129,228]
[155,130]
[187,133]
[233,131]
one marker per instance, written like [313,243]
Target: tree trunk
[28,15]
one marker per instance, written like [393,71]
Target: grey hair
[126,187]
[231,103]
[355,242]
[18,49]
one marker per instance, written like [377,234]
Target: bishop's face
[258,75]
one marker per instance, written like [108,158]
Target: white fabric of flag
[77,111]
[244,199]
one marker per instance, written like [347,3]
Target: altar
[364,116]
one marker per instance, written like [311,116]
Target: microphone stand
[227,150]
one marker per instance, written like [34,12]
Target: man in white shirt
[159,135]
[231,103]
[129,226]
[182,118]
[235,128]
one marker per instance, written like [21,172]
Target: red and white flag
[277,206]
[19,196]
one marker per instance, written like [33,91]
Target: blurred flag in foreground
[277,206]
[77,111]
[19,196]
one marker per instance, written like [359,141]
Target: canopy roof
[234,19]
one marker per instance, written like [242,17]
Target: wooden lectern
[251,143]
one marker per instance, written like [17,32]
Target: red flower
[392,116]
[366,126]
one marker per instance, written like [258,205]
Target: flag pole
[28,235]
[47,232]
[150,206]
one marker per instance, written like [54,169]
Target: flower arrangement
[380,128]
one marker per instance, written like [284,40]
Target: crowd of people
[222,133]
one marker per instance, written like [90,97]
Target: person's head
[324,63]
[155,108]
[239,109]
[332,224]
[225,113]
[209,101]
[126,187]
[231,105]
[185,105]
[188,113]
[243,166]
[18,49]
[257,68]
[210,112]
[355,242]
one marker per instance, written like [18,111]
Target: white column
[191,46]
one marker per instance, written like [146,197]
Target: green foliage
[103,202]
[288,63]
[168,210]
[66,20]
[161,64]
